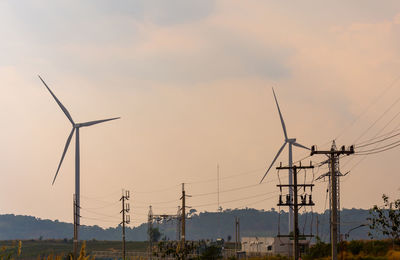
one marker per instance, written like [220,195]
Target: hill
[203,225]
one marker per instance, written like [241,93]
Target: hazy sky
[192,82]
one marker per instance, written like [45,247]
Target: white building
[271,245]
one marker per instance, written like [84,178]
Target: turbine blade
[300,145]
[280,115]
[58,102]
[65,151]
[96,122]
[273,161]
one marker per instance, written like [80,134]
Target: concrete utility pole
[333,155]
[150,232]
[294,204]
[178,224]
[183,221]
[75,229]
[125,219]
[219,208]
[237,233]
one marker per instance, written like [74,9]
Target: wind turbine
[290,142]
[75,128]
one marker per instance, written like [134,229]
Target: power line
[396,129]
[99,219]
[101,197]
[250,197]
[229,190]
[391,85]
[378,119]
[227,177]
[377,151]
[256,202]
[163,202]
[98,200]
[379,141]
[113,204]
[100,214]
[159,190]
[378,148]
[377,134]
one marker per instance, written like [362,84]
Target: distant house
[271,245]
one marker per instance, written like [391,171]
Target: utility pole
[75,229]
[218,206]
[237,233]
[178,225]
[333,155]
[218,209]
[125,218]
[294,204]
[150,232]
[183,221]
[317,226]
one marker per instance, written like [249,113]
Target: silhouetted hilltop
[204,225]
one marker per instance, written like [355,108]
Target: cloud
[162,13]
[192,83]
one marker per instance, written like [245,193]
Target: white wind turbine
[291,142]
[75,128]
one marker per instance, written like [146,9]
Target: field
[31,249]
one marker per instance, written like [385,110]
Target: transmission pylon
[334,173]
[125,218]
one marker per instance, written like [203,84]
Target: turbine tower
[290,142]
[75,128]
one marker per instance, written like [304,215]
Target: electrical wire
[159,190]
[376,151]
[256,202]
[378,119]
[103,196]
[163,202]
[98,219]
[363,158]
[229,201]
[379,141]
[227,177]
[299,160]
[98,200]
[229,190]
[378,148]
[391,85]
[377,134]
[396,129]
[100,214]
[112,204]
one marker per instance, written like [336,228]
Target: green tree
[155,234]
[385,220]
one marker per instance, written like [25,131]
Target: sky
[192,82]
